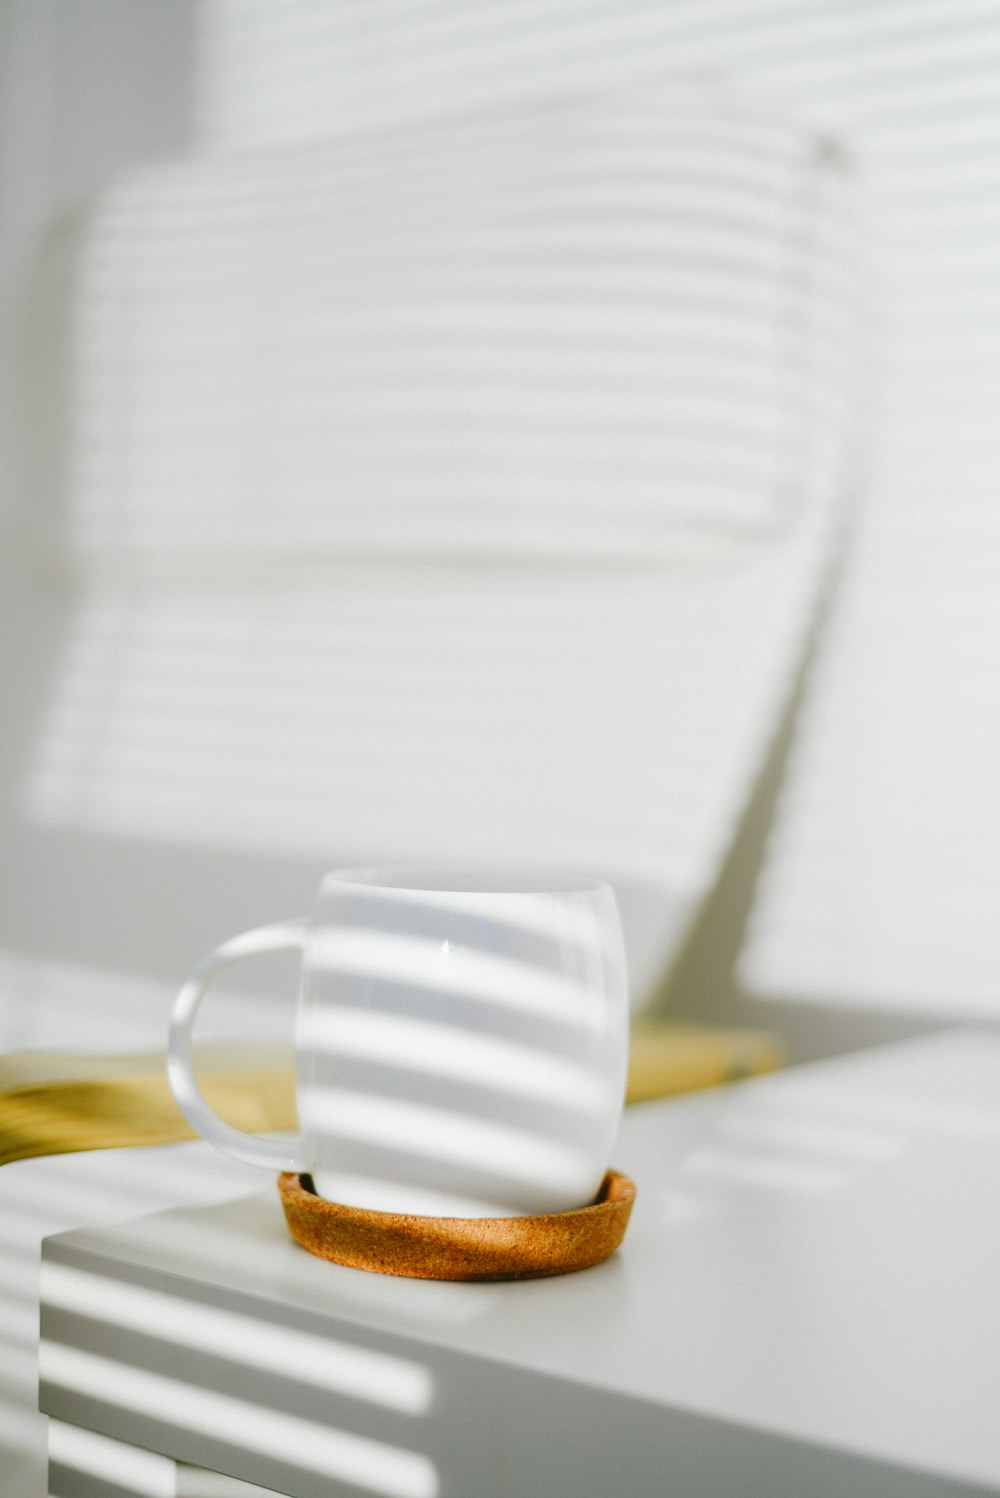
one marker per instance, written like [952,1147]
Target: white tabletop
[811,1262]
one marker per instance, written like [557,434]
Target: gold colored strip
[668,1057]
[57,1118]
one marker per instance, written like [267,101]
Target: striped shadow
[225,1388]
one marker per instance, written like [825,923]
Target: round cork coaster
[459,1248]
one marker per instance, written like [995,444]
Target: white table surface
[43,1196]
[809,1293]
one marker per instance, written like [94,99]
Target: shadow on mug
[462,1049]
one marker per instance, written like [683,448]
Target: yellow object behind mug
[57,1104]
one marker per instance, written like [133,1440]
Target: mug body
[462,1041]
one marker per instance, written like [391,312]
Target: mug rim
[464,879]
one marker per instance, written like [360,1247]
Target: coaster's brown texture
[460,1248]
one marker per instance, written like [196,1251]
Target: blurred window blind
[882,877]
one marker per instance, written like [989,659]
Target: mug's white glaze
[461,1042]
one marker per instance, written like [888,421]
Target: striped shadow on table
[85,1464]
[215,1381]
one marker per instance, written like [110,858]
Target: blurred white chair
[455,493]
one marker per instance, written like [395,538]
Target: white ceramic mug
[461,1042]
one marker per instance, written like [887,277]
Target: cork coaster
[459,1248]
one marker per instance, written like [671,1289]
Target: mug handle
[273,1154]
